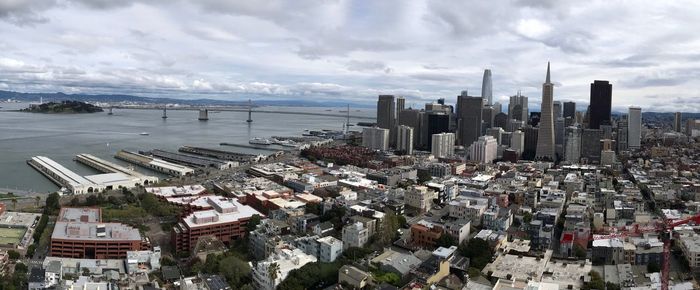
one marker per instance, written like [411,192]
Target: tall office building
[487,88]
[590,145]
[600,105]
[517,141]
[469,116]
[501,120]
[496,133]
[487,113]
[545,138]
[518,108]
[400,106]
[484,150]
[530,147]
[572,151]
[622,135]
[414,119]
[634,127]
[677,121]
[569,110]
[435,123]
[559,135]
[443,145]
[497,107]
[375,138]
[386,115]
[607,154]
[404,139]
[557,109]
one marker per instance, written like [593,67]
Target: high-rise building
[559,135]
[404,139]
[531,134]
[572,152]
[484,150]
[691,127]
[443,145]
[414,119]
[607,155]
[487,88]
[557,109]
[497,107]
[469,116]
[487,113]
[677,121]
[501,120]
[375,138]
[634,127]
[590,145]
[386,114]
[518,108]
[569,110]
[517,141]
[400,104]
[545,138]
[435,123]
[496,133]
[600,105]
[622,135]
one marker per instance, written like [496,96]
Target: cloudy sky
[354,50]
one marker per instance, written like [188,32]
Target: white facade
[419,197]
[404,139]
[634,127]
[469,209]
[355,235]
[443,145]
[484,150]
[517,141]
[329,249]
[375,138]
[286,260]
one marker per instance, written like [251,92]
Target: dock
[105,166]
[252,147]
[221,154]
[62,176]
[193,161]
[154,164]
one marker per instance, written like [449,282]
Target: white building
[690,245]
[404,139]
[443,145]
[634,127]
[484,150]
[285,261]
[419,197]
[517,141]
[355,235]
[375,138]
[329,249]
[471,209]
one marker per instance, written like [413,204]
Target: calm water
[61,137]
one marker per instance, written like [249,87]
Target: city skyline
[350,50]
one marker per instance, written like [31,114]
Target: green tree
[253,222]
[612,286]
[653,267]
[235,270]
[273,271]
[424,176]
[37,200]
[596,282]
[53,203]
[527,217]
[14,203]
[478,251]
[388,277]
[446,240]
[389,229]
[13,255]
[579,252]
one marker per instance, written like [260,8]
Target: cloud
[361,65]
[24,12]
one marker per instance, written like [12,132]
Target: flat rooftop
[14,219]
[80,214]
[174,191]
[65,173]
[226,210]
[95,231]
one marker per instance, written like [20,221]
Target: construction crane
[663,228]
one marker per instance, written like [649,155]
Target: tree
[53,203]
[75,201]
[612,286]
[653,267]
[253,222]
[13,255]
[596,282]
[14,203]
[446,240]
[579,252]
[478,251]
[527,217]
[273,271]
[389,229]
[424,176]
[236,271]
[37,200]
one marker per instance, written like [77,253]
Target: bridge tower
[250,111]
[203,115]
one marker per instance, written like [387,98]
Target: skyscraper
[484,149]
[487,88]
[572,151]
[600,105]
[443,145]
[556,106]
[375,138]
[518,108]
[545,138]
[414,119]
[469,116]
[386,115]
[517,141]
[400,106]
[677,121]
[634,127]
[404,139]
[436,123]
[569,110]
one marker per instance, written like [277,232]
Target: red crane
[662,228]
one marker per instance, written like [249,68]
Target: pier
[194,161]
[105,166]
[252,147]
[154,163]
[62,176]
[221,154]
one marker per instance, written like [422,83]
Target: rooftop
[94,231]
[80,214]
[225,210]
[176,191]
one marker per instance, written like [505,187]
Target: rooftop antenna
[250,111]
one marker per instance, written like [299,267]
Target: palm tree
[14,203]
[272,270]
[38,200]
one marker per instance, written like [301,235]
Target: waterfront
[61,137]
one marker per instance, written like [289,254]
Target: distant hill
[48,97]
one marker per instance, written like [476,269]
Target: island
[63,107]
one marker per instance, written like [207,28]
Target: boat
[287,143]
[260,141]
[144,134]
